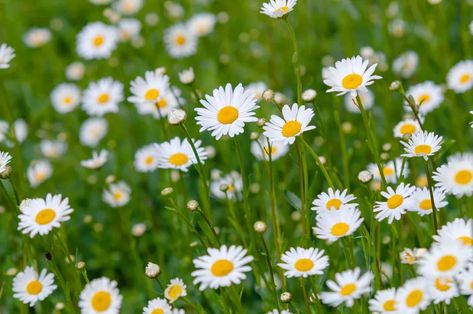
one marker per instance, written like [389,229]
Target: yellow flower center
[395,201]
[463,177]
[227,115]
[67,100]
[117,195]
[178,159]
[423,99]
[291,128]
[426,204]
[34,287]
[103,98]
[152,94]
[149,160]
[443,284]
[162,103]
[284,9]
[304,264]
[175,291]
[98,41]
[339,229]
[465,78]
[268,151]
[414,297]
[352,81]
[447,262]
[158,311]
[388,171]
[334,203]
[466,240]
[348,289]
[221,268]
[45,216]
[180,40]
[422,149]
[389,305]
[40,175]
[407,128]
[101,301]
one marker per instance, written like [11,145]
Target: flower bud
[365,176]
[286,297]
[268,95]
[192,205]
[309,95]
[260,226]
[395,85]
[177,116]
[167,191]
[187,76]
[152,270]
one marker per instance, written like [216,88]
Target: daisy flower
[53,148]
[406,64]
[428,96]
[338,200]
[202,24]
[226,111]
[456,177]
[40,216]
[460,76]
[178,154]
[97,41]
[295,121]
[384,301]
[444,259]
[36,37]
[175,289]
[65,97]
[98,160]
[117,195]
[128,7]
[458,230]
[300,262]
[4,161]
[442,289]
[75,71]
[157,305]
[29,287]
[347,287]
[465,278]
[221,267]
[411,256]
[413,296]
[278,8]
[276,311]
[406,128]
[38,172]
[148,90]
[335,224]
[397,202]
[180,41]
[422,144]
[21,130]
[146,158]
[102,96]
[100,296]
[391,170]
[261,149]
[234,185]
[350,76]
[367,97]
[422,203]
[92,131]
[257,88]
[128,29]
[7,54]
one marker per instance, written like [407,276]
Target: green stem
[428,173]
[302,175]
[295,61]
[318,162]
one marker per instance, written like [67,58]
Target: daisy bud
[223,188]
[11,271]
[254,136]
[177,116]
[286,297]
[215,174]
[59,306]
[151,19]
[296,216]
[322,160]
[255,188]
[384,156]
[152,270]
[75,71]
[192,205]
[387,146]
[187,76]
[268,95]
[375,186]
[92,179]
[2,209]
[260,226]
[394,85]
[367,52]
[194,244]
[138,229]
[88,219]
[309,95]
[279,98]
[110,179]
[175,175]
[98,227]
[211,152]
[5,174]
[80,265]
[167,191]
[261,122]
[365,176]
[347,127]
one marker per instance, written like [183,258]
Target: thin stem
[274,213]
[209,224]
[271,273]
[428,173]
[302,192]
[295,61]
[318,162]
[304,294]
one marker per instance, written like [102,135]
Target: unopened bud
[152,270]
[260,226]
[254,136]
[286,297]
[167,191]
[177,116]
[80,265]
[261,122]
[187,76]
[365,176]
[395,85]
[5,174]
[309,95]
[192,205]
[268,95]
[223,187]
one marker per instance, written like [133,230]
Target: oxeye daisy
[278,8]
[98,160]
[38,172]
[335,224]
[178,154]
[442,289]
[97,41]
[75,71]
[65,97]
[146,91]
[350,76]
[257,88]
[295,121]
[146,158]
[117,195]
[221,267]
[100,296]
[347,287]
[102,96]
[53,148]
[391,170]
[428,96]
[175,289]
[261,149]
[413,296]
[406,128]
[128,7]
[157,306]
[338,200]
[384,301]
[456,177]
[29,287]
[226,111]
[460,76]
[422,144]
[233,184]
[4,161]
[444,259]
[40,216]
[128,29]
[7,54]
[458,230]
[406,64]
[92,131]
[411,256]
[21,130]
[465,278]
[422,203]
[367,97]
[300,262]
[37,37]
[180,41]
[397,202]
[202,24]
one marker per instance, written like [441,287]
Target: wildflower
[180,41]
[397,202]
[29,287]
[413,296]
[422,144]
[406,64]
[100,296]
[102,96]
[178,154]
[278,8]
[456,177]
[98,160]
[262,150]
[97,41]
[300,262]
[460,76]
[457,230]
[333,200]
[65,97]
[427,96]
[175,289]
[92,131]
[152,270]
[117,195]
[335,224]
[7,54]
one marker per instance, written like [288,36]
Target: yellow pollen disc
[267,150]
[34,287]
[227,115]
[426,204]
[466,240]
[162,103]
[285,8]
[446,262]
[231,188]
[98,41]
[443,284]
[103,98]
[465,78]
[151,94]
[422,149]
[388,171]
[471,285]
[352,81]
[180,40]
[464,177]
[291,128]
[101,301]
[45,216]
[407,128]
[414,297]
[178,159]
[389,305]
[422,181]
[158,311]
[348,289]
[221,268]
[423,99]
[40,175]
[149,160]
[175,292]
[395,201]
[117,195]
[339,229]
[67,100]
[304,264]
[334,203]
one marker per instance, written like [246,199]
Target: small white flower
[157,305]
[261,149]
[234,185]
[300,262]
[37,37]
[175,289]
[39,171]
[367,98]
[397,203]
[444,259]
[422,144]
[7,54]
[422,203]
[117,195]
[4,161]
[391,171]
[65,97]
[92,131]
[187,76]
[53,148]
[458,230]
[152,270]
[335,224]
[202,24]
[384,301]
[146,158]
[100,296]
[102,96]
[460,77]
[278,8]
[428,96]
[406,64]
[29,287]
[180,41]
[456,177]
[413,296]
[75,71]
[178,154]
[97,41]
[406,128]
[98,160]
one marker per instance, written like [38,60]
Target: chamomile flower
[226,111]
[128,7]
[444,259]
[350,76]
[347,287]
[234,185]
[456,177]
[40,216]
[422,144]
[278,8]
[457,230]
[38,172]
[257,88]
[465,278]
[157,305]
[65,97]
[146,91]
[367,97]
[29,287]
[175,289]
[202,24]
[100,296]
[460,76]
[102,96]
[53,148]
[128,29]
[335,224]
[178,154]
[98,160]
[36,37]
[4,161]
[261,149]
[411,256]
[406,64]
[92,131]
[384,301]
[422,203]
[442,289]
[146,158]
[428,96]
[397,202]
[97,41]
[406,128]
[391,170]
[75,71]
[300,262]
[330,200]
[221,267]
[180,41]
[117,195]
[7,54]
[413,296]
[295,121]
